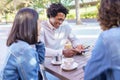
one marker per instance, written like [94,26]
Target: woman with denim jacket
[105,60]
[23,60]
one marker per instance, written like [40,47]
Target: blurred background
[82,17]
[78,9]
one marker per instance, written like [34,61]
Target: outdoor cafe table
[77,74]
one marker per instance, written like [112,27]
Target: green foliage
[9,7]
[89,12]
[39,3]
[66,2]
[85,12]
[55,1]
[70,16]
[83,15]
[89,15]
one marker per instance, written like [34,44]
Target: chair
[42,69]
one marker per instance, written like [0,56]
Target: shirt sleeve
[73,38]
[40,48]
[52,52]
[99,61]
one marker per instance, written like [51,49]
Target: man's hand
[79,49]
[69,52]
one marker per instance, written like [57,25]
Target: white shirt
[55,39]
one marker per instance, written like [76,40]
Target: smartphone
[86,49]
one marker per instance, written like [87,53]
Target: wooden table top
[77,74]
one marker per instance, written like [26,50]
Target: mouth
[57,25]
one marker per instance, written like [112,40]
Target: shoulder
[110,36]
[113,32]
[20,49]
[66,25]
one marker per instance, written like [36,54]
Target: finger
[80,47]
[76,51]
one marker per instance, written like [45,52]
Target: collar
[50,25]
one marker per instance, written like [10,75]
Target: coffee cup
[68,62]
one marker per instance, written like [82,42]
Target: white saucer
[74,66]
[56,62]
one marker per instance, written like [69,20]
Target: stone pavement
[87,32]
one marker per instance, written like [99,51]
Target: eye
[61,20]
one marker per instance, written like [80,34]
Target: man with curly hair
[56,32]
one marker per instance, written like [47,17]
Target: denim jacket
[23,62]
[104,63]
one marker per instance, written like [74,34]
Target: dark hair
[24,27]
[56,8]
[109,14]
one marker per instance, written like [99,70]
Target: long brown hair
[24,27]
[109,14]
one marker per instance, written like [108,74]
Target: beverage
[68,46]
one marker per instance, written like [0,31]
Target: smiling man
[56,32]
